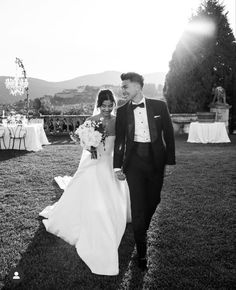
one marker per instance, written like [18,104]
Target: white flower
[88,135]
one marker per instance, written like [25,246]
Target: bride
[94,208]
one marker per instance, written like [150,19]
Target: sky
[63,39]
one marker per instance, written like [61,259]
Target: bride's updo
[105,95]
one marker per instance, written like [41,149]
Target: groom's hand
[120,175]
[169,169]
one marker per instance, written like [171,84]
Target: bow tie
[134,106]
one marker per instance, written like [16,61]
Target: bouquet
[16,119]
[90,134]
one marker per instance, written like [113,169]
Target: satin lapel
[130,121]
[151,121]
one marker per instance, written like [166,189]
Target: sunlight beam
[203,27]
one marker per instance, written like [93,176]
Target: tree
[205,55]
[36,104]
[46,105]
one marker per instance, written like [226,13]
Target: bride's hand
[120,175]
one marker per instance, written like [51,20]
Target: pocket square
[157,116]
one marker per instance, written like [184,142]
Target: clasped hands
[120,175]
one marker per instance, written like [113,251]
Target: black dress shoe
[142,264]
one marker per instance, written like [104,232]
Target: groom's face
[130,89]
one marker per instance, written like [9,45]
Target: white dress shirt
[141,133]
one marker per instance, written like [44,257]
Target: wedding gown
[93,211]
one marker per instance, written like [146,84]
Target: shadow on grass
[51,263]
[8,154]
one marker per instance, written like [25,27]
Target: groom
[144,153]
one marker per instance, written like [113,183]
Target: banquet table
[34,139]
[215,132]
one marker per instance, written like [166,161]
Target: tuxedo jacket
[161,134]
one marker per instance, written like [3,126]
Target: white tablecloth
[34,139]
[208,133]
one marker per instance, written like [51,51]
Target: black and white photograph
[117,144]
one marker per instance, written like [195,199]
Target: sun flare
[204,27]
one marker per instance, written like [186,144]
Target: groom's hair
[133,77]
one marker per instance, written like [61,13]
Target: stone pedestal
[222,112]
[182,121]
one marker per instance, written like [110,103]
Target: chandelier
[16,85]
[19,84]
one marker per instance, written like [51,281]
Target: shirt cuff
[117,169]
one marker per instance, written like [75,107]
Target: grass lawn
[191,237]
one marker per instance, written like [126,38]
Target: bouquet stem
[93,151]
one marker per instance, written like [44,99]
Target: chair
[2,134]
[17,133]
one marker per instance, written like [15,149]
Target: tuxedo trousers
[145,184]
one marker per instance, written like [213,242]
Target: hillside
[38,88]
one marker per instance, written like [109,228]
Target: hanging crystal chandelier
[19,84]
[16,85]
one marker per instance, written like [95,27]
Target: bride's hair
[105,95]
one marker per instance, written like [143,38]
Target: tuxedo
[142,161]
[161,133]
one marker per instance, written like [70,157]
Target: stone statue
[219,95]
[219,105]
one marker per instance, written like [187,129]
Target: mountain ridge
[38,87]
